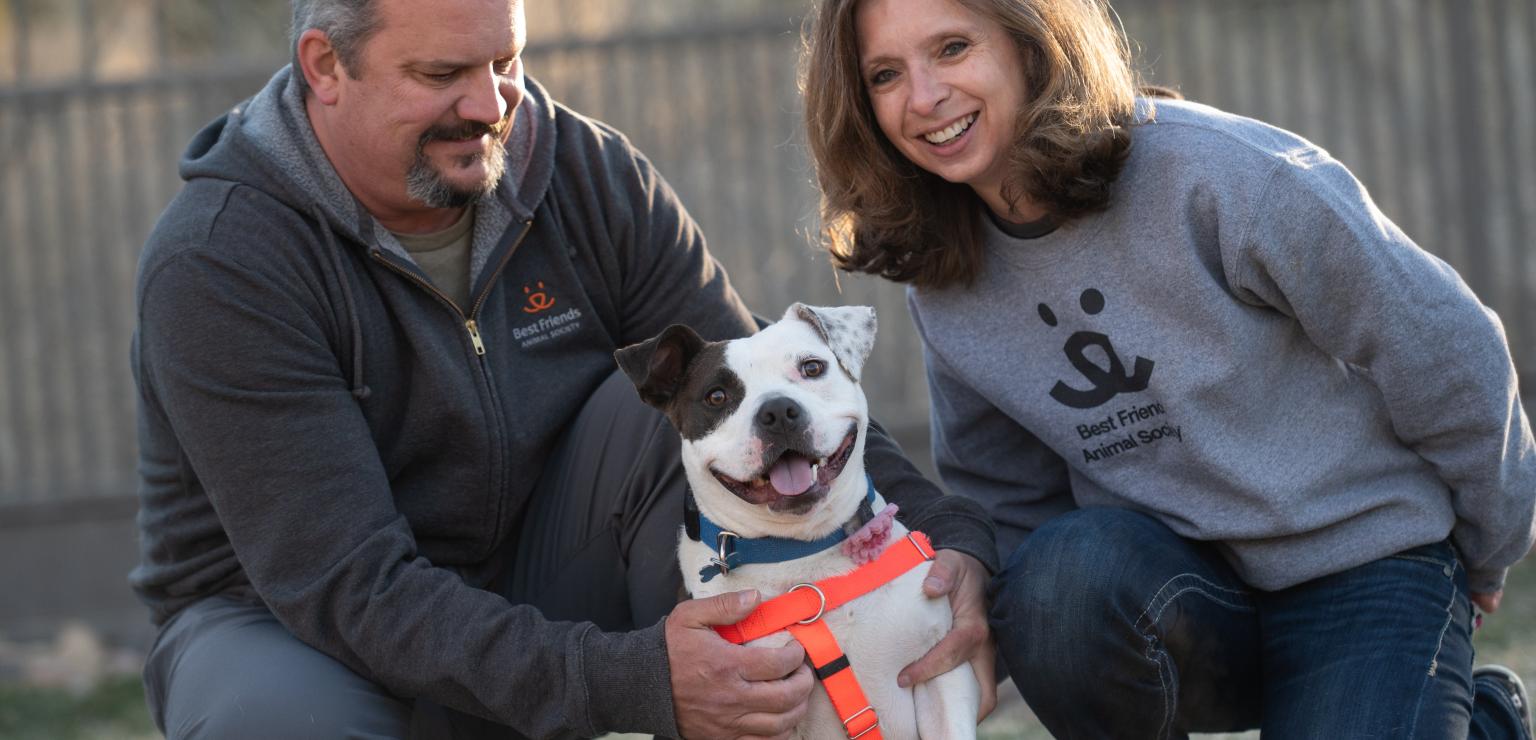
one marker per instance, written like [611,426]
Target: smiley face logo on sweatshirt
[1106,383]
[538,300]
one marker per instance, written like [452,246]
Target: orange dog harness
[800,610]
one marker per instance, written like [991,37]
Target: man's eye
[505,66]
[716,397]
[813,368]
[441,76]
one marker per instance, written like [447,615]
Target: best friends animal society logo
[549,326]
[1114,434]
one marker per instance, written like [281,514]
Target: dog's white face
[789,420]
[773,425]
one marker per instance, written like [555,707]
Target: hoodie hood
[267,143]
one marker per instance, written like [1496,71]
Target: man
[391,482]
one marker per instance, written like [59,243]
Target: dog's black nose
[781,415]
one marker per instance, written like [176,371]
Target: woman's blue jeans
[1113,626]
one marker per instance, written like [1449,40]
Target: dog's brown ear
[658,365]
[848,330]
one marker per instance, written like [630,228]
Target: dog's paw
[866,544]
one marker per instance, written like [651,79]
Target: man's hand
[721,690]
[964,579]
[1489,603]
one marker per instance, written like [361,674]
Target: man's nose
[489,97]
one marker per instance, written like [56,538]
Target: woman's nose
[928,91]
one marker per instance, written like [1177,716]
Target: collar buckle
[725,547]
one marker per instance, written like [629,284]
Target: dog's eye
[716,397]
[813,368]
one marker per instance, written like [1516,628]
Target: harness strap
[859,718]
[809,601]
[800,611]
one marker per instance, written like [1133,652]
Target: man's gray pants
[598,543]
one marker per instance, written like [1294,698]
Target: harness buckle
[855,716]
[721,560]
[927,553]
[820,610]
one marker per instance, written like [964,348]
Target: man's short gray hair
[347,23]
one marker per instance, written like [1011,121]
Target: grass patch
[114,709]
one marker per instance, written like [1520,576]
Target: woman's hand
[1489,603]
[964,579]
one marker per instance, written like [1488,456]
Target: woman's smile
[952,133]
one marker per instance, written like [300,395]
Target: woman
[1253,454]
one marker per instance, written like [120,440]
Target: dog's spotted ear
[658,365]
[848,330]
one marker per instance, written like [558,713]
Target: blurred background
[1432,103]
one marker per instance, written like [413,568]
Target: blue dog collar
[734,551]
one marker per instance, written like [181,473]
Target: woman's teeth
[955,129]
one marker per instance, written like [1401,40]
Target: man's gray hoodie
[323,432]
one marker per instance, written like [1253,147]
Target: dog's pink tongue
[791,475]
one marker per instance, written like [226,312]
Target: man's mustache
[465,130]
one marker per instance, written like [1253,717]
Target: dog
[773,431]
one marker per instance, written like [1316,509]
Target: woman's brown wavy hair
[882,215]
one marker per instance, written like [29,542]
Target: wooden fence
[1431,102]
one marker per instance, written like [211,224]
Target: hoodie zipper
[470,324]
[475,309]
[474,336]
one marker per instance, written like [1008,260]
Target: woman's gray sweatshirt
[1244,347]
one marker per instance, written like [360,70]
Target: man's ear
[848,330]
[319,64]
[658,365]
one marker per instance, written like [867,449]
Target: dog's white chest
[880,632]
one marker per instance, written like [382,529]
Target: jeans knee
[1082,552]
[1075,585]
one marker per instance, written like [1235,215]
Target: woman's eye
[882,77]
[813,368]
[954,47]
[715,397]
